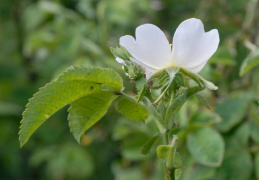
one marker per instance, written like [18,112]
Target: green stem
[165,137]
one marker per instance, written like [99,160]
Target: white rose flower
[191,47]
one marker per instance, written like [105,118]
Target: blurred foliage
[41,38]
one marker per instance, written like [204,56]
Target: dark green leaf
[73,84]
[87,111]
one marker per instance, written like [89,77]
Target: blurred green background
[41,38]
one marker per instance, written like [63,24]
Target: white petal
[150,47]
[192,47]
[148,71]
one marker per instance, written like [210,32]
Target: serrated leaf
[148,145]
[250,62]
[132,110]
[206,146]
[73,84]
[203,100]
[88,110]
[178,102]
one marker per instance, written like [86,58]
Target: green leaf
[231,111]
[250,62]
[132,110]
[148,145]
[197,171]
[257,165]
[206,146]
[178,102]
[178,164]
[254,131]
[73,84]
[153,111]
[203,100]
[237,164]
[168,153]
[242,134]
[88,110]
[162,108]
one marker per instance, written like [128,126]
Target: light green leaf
[132,110]
[203,100]
[73,84]
[88,110]
[250,62]
[148,145]
[168,153]
[206,146]
[231,111]
[178,102]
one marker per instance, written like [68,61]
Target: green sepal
[120,52]
[199,80]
